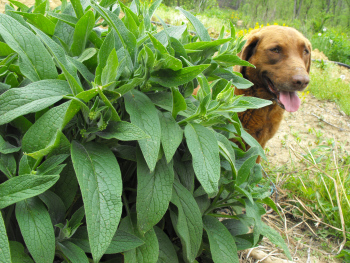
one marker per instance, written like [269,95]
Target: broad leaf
[144,115]
[35,60]
[23,187]
[31,98]
[82,31]
[5,255]
[36,228]
[167,253]
[205,156]
[100,183]
[153,192]
[188,223]
[73,252]
[17,253]
[222,244]
[124,131]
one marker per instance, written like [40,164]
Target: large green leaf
[35,60]
[171,134]
[188,223]
[40,21]
[222,244]
[203,45]
[144,115]
[205,156]
[24,186]
[153,192]
[81,33]
[170,78]
[31,98]
[36,228]
[109,73]
[5,255]
[100,183]
[6,147]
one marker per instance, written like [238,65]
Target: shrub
[104,152]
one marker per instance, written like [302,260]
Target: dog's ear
[248,49]
[308,66]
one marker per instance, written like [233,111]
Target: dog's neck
[261,123]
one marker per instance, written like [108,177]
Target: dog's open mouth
[287,100]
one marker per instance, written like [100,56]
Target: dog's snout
[300,81]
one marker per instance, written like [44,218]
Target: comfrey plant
[104,152]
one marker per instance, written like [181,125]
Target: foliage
[105,153]
[334,44]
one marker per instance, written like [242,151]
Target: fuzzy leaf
[144,115]
[100,183]
[167,253]
[5,255]
[36,228]
[153,192]
[35,60]
[222,244]
[23,187]
[124,131]
[81,33]
[205,156]
[73,252]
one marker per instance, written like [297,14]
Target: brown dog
[282,57]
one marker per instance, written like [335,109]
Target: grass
[326,84]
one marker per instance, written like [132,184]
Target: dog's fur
[282,57]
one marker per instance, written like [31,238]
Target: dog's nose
[300,81]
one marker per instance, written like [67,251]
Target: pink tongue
[290,100]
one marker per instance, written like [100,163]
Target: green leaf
[153,7]
[87,54]
[198,26]
[229,60]
[122,241]
[100,183]
[179,103]
[22,6]
[73,252]
[109,72]
[6,147]
[5,255]
[5,50]
[24,167]
[157,45]
[78,8]
[148,252]
[31,98]
[23,187]
[55,206]
[104,52]
[67,186]
[203,45]
[174,31]
[239,82]
[40,21]
[244,170]
[144,115]
[8,164]
[17,253]
[167,253]
[128,39]
[153,192]
[243,103]
[169,62]
[171,134]
[35,61]
[59,54]
[205,156]
[36,228]
[275,238]
[124,131]
[236,227]
[188,223]
[44,135]
[222,244]
[170,78]
[82,31]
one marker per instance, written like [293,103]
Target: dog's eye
[275,50]
[306,51]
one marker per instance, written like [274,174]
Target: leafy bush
[105,153]
[335,45]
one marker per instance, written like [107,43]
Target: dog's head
[282,57]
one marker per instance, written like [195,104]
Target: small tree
[105,153]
